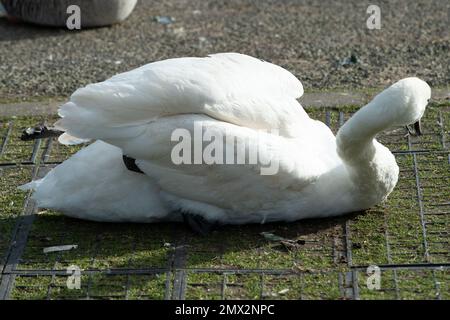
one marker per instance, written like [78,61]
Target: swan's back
[229,87]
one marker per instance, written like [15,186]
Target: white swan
[136,112]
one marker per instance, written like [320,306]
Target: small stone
[165,20]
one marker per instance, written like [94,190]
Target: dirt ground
[325,43]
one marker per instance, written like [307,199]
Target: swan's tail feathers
[33,185]
[69,140]
[94,184]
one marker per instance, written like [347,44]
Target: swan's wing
[231,87]
[94,184]
[282,164]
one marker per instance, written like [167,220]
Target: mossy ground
[312,269]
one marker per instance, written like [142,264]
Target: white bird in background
[128,173]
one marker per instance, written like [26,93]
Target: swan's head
[405,101]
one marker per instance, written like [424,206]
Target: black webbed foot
[198,224]
[130,163]
[39,132]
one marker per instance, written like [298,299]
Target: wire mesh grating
[407,237]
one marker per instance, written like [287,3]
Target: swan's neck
[371,166]
[359,132]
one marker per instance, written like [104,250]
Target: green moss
[316,255]
[204,286]
[203,259]
[416,284]
[368,238]
[31,287]
[321,286]
[243,286]
[387,290]
[100,246]
[147,287]
[283,287]
[94,286]
[411,284]
[11,203]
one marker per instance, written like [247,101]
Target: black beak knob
[418,128]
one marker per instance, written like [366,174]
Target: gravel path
[310,38]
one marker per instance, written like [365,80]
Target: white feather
[94,184]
